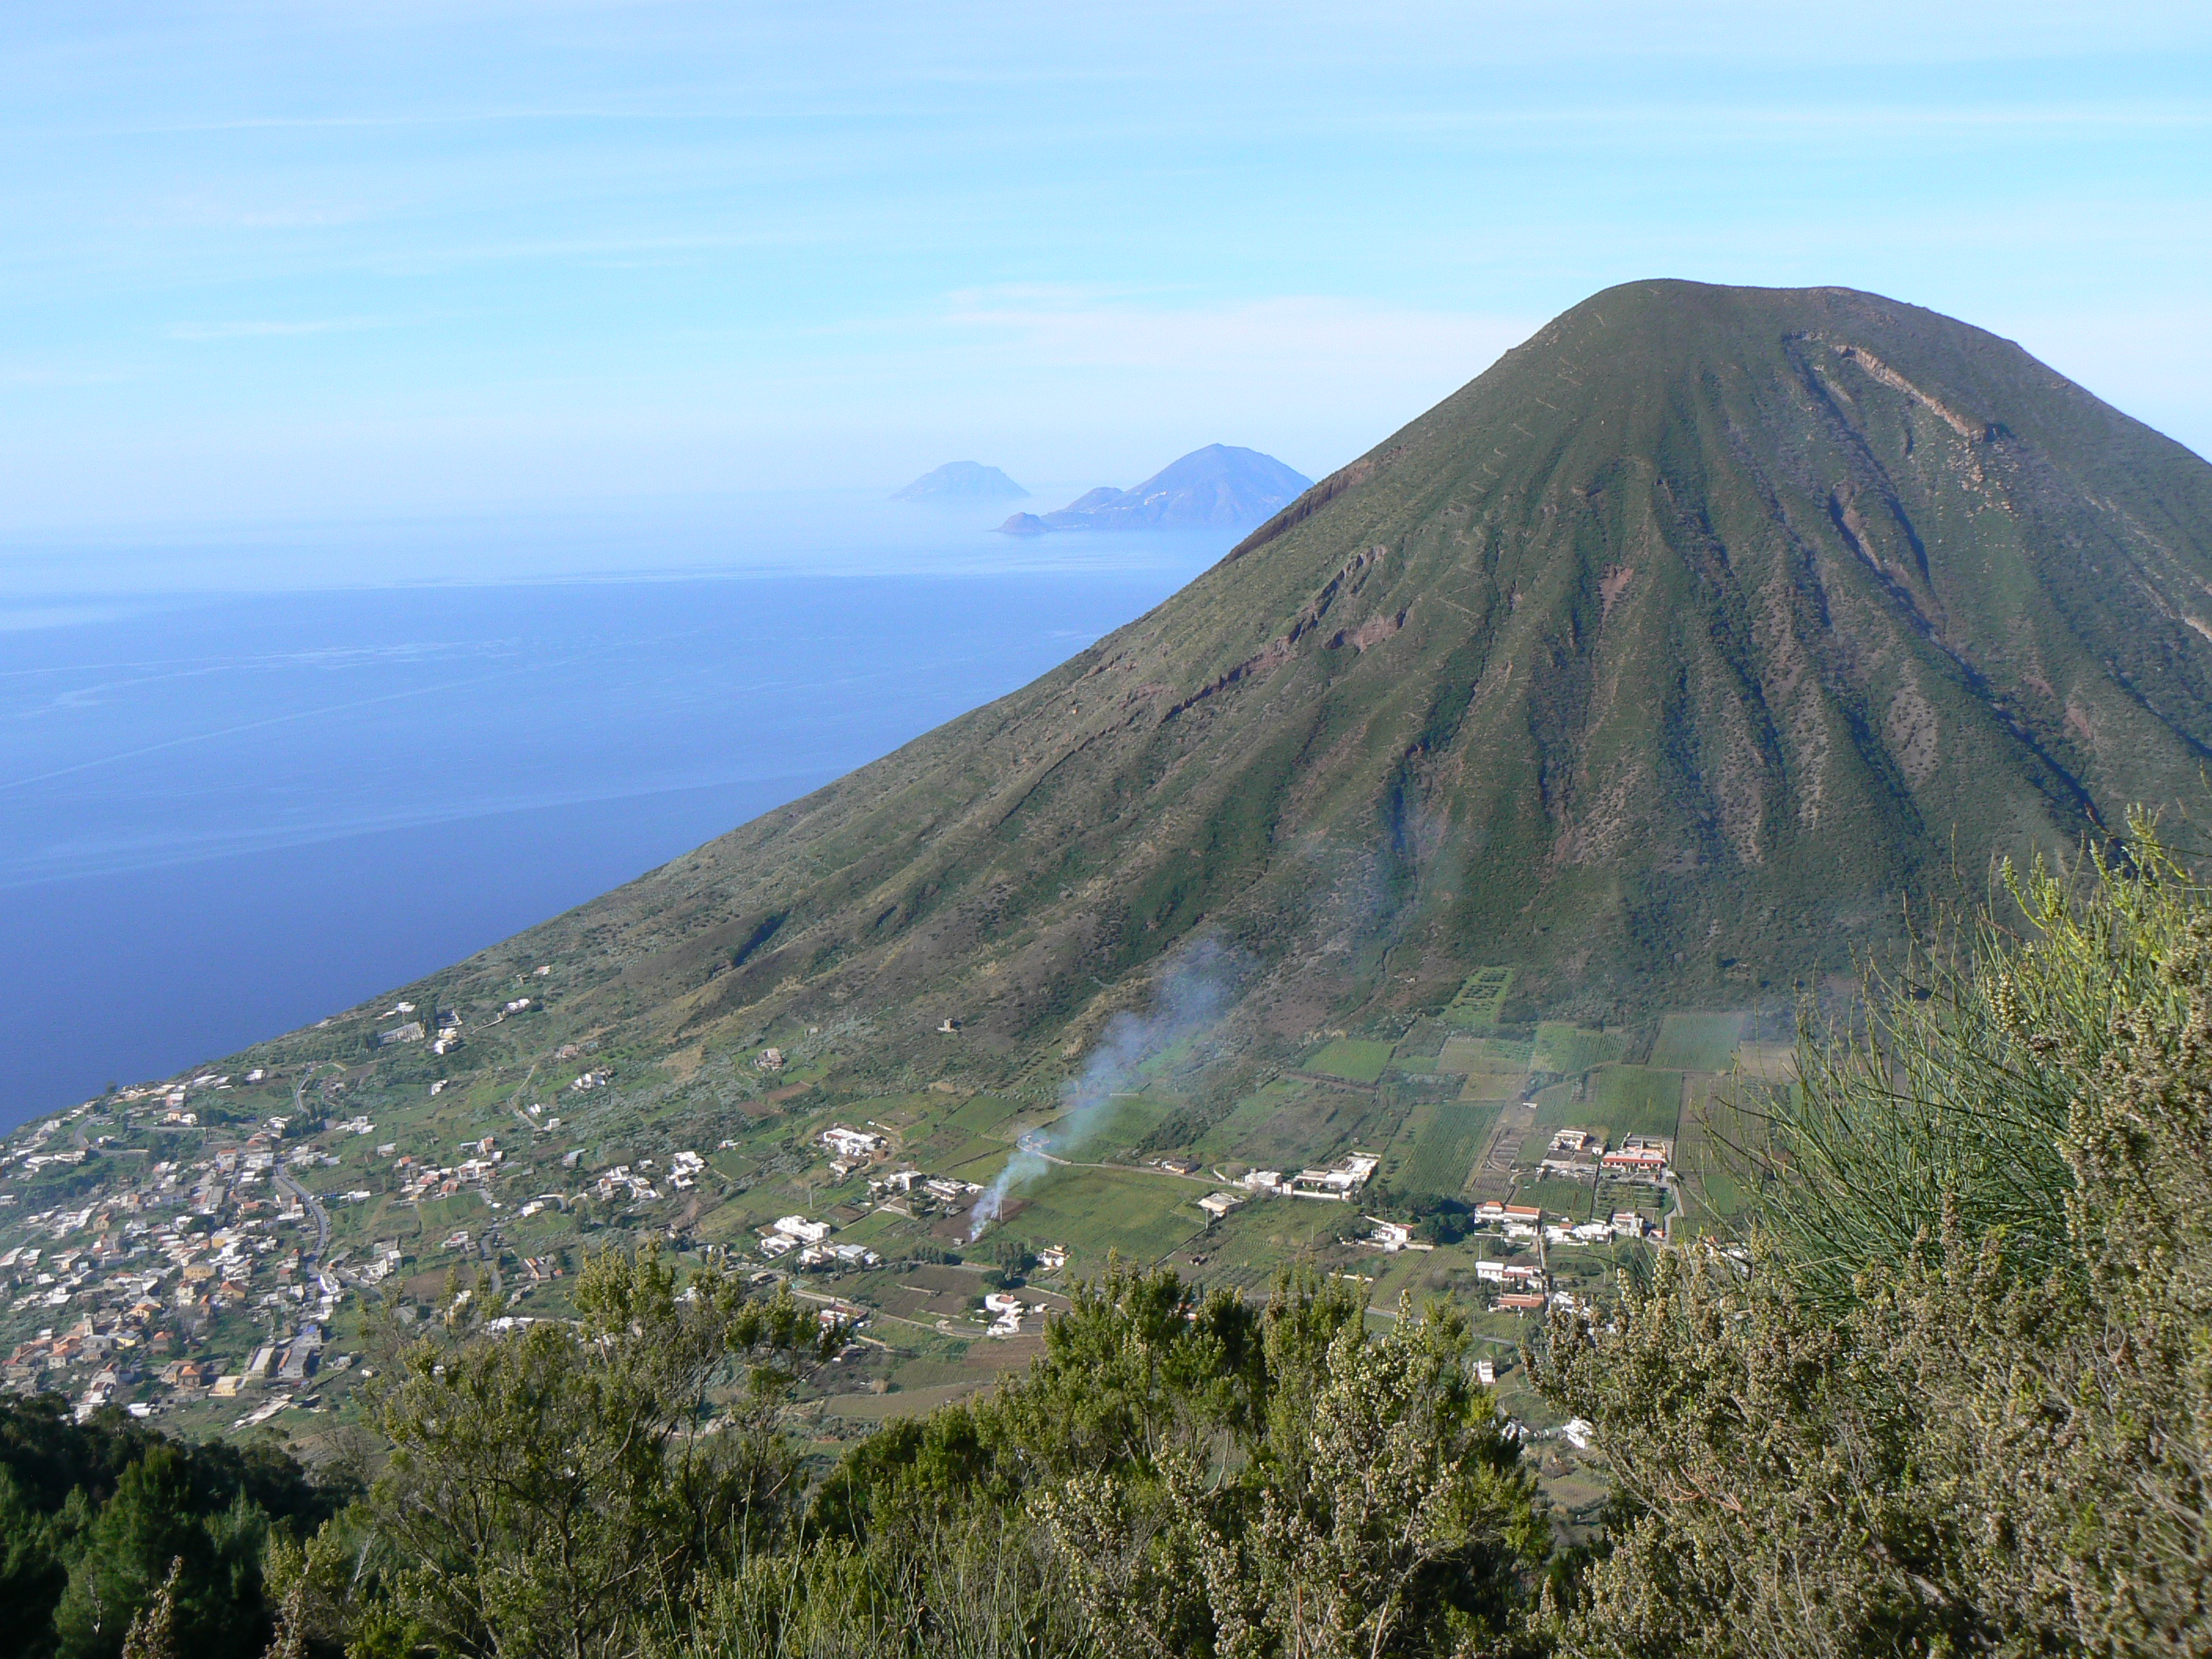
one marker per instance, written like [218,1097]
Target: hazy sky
[270,259]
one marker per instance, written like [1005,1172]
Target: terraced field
[1110,1129]
[1312,1126]
[1481,1000]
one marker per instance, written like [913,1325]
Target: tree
[151,1532]
[34,1570]
[555,1490]
[1379,1507]
[153,1633]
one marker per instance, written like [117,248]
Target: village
[235,1249]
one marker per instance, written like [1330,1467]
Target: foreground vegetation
[1948,1395]
[1956,1396]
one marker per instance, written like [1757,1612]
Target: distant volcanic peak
[962,480]
[1219,484]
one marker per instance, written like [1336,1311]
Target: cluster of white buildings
[1341,1180]
[186,1240]
[910,1193]
[625,1184]
[419,1182]
[1581,1155]
[852,1149]
[1008,1311]
[812,1240]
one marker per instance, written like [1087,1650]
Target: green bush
[1951,1394]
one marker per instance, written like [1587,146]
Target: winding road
[314,1206]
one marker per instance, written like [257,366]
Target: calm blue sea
[246,782]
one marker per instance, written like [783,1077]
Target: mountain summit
[1661,661]
[1215,485]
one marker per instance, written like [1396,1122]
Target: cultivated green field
[983,1114]
[1248,1247]
[1621,1100]
[1090,1212]
[1310,1124]
[950,1148]
[1697,1043]
[1353,1061]
[1110,1129]
[1446,1138]
[1494,1068]
[1243,1120]
[1571,1199]
[1638,1100]
[1570,1051]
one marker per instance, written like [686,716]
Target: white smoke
[1192,994]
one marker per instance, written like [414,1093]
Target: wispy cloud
[273,329]
[209,211]
[1071,328]
[50,375]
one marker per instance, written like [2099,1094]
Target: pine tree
[153,1633]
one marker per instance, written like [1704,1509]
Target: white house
[1391,1235]
[1573,1153]
[1640,1158]
[856,1144]
[1340,1181]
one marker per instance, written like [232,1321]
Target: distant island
[1216,485]
[962,480]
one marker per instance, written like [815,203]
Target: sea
[249,777]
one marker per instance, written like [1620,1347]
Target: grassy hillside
[1657,667]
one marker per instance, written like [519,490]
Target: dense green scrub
[1953,1394]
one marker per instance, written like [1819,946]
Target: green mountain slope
[1660,661]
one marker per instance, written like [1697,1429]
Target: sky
[322,260]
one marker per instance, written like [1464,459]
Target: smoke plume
[1192,995]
